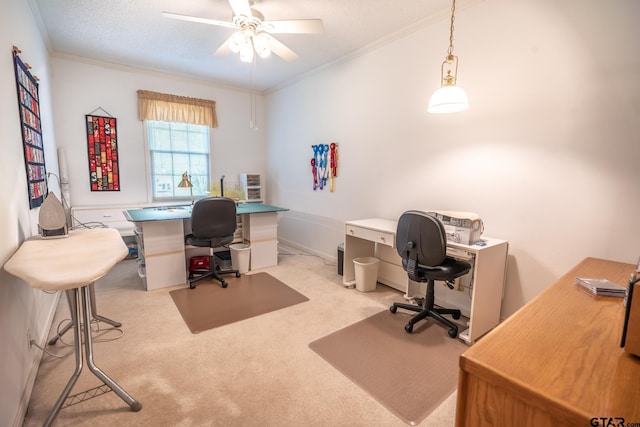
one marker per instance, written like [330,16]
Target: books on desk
[601,287]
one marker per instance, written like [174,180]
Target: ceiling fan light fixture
[236,41]
[261,45]
[252,34]
[246,52]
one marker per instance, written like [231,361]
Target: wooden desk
[556,362]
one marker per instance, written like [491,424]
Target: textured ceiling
[134,33]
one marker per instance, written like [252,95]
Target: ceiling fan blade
[223,49]
[295,26]
[281,50]
[200,20]
[240,7]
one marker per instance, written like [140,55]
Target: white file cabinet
[261,233]
[161,253]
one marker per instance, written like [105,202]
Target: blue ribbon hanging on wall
[324,165]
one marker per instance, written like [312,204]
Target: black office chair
[421,241]
[213,223]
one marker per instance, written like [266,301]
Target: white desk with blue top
[162,252]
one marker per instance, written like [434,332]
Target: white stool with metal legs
[72,264]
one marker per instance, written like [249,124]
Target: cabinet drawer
[264,254]
[371,235]
[262,234]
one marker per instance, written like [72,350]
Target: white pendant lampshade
[448,99]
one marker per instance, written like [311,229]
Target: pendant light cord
[252,98]
[453,18]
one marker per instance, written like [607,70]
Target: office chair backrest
[423,236]
[213,217]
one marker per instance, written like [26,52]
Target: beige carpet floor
[255,372]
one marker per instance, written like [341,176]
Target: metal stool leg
[80,307]
[73,298]
[94,310]
[96,317]
[88,344]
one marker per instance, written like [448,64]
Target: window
[176,148]
[178,142]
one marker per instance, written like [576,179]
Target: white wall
[22,308]
[82,86]
[547,154]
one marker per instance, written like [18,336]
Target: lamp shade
[186,181]
[448,99]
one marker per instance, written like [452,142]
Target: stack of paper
[600,286]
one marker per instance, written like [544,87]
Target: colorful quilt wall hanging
[102,146]
[29,109]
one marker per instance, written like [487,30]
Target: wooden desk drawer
[371,235]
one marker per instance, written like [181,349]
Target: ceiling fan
[254,34]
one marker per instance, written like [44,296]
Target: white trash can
[240,257]
[366,269]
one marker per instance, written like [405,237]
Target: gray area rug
[209,305]
[409,374]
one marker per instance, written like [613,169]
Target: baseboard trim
[308,250]
[18,421]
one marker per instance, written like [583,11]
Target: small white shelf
[252,187]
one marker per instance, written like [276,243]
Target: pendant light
[449,98]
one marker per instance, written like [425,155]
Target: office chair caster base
[224,284]
[393,309]
[456,316]
[237,274]
[408,327]
[453,332]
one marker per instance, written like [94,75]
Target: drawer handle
[383,239]
[351,231]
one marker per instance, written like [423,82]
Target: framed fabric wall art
[29,109]
[102,145]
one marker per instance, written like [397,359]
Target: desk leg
[96,317]
[80,307]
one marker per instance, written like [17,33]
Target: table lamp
[186,183]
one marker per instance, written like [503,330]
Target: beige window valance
[174,108]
